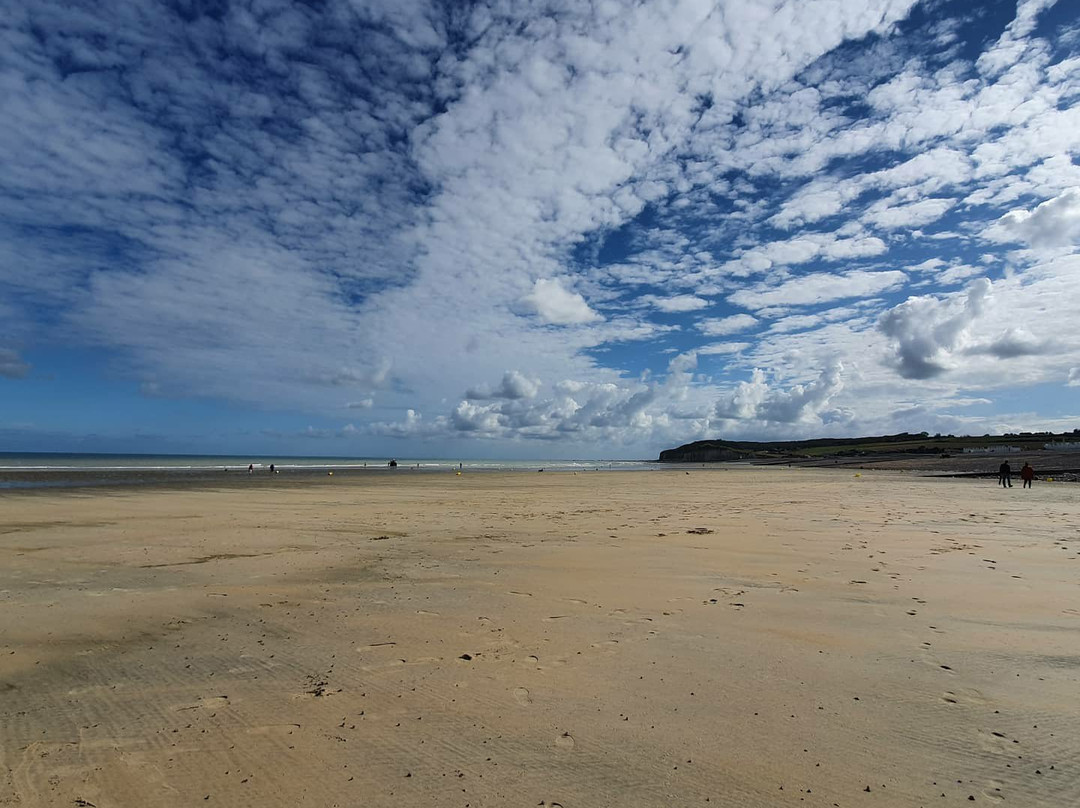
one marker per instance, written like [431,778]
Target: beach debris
[700,531]
[466,657]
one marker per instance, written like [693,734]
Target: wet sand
[733,637]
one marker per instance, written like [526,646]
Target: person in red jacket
[1027,474]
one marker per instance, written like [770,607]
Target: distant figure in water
[1005,475]
[392,464]
[272,468]
[1027,474]
[251,468]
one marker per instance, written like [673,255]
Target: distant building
[992,450]
[1073,446]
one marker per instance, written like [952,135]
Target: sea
[56,470]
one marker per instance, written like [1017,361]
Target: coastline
[751,636]
[179,471]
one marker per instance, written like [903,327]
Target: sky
[534,229]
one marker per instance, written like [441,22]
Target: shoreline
[94,481]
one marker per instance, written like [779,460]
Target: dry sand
[748,637]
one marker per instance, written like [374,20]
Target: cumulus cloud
[926,329]
[583,410]
[757,400]
[1053,223]
[1011,343]
[515,385]
[556,305]
[1073,377]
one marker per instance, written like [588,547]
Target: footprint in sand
[993,742]
[993,790]
[963,696]
[210,702]
[522,697]
[565,741]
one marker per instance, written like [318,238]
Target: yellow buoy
[857,474]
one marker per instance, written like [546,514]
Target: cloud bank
[504,221]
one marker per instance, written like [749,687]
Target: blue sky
[535,229]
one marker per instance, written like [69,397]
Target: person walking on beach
[1027,474]
[1005,475]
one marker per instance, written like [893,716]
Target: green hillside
[902,443]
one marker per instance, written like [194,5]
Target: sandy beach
[732,637]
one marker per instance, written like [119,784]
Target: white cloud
[814,202]
[321,245]
[1073,378]
[926,330]
[757,400]
[1013,41]
[1011,343]
[1053,223]
[721,348]
[890,216]
[722,326]
[514,385]
[556,305]
[676,303]
[819,287]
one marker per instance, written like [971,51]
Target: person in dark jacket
[1005,475]
[1027,474]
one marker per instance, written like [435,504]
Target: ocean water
[49,470]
